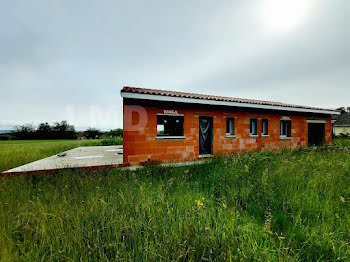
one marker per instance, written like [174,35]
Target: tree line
[59,130]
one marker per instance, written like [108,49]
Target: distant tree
[115,132]
[62,130]
[92,133]
[341,109]
[63,126]
[344,109]
[26,131]
[44,131]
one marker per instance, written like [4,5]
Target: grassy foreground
[14,153]
[282,206]
[341,141]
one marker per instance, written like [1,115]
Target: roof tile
[343,120]
[138,90]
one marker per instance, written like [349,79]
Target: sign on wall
[170,112]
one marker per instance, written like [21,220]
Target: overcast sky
[68,60]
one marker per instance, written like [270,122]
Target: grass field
[264,206]
[14,153]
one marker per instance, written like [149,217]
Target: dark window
[265,127]
[205,135]
[253,126]
[286,128]
[230,126]
[168,125]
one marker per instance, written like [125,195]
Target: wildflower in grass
[199,203]
[342,199]
[187,171]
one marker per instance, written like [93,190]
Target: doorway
[205,135]
[316,134]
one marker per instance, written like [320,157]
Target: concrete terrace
[81,157]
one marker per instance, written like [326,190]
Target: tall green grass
[282,206]
[341,141]
[14,153]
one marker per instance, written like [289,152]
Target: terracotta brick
[141,144]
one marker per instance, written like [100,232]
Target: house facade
[341,124]
[339,130]
[165,126]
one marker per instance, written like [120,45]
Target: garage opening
[316,134]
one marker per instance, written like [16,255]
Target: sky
[68,60]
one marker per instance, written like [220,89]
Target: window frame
[265,120]
[286,129]
[251,134]
[229,134]
[166,137]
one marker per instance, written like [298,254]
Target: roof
[164,95]
[343,120]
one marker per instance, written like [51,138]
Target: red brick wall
[141,145]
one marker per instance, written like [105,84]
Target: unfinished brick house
[165,126]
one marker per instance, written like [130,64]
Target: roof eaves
[189,97]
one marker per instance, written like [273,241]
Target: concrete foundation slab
[81,157]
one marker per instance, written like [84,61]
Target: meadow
[15,153]
[263,206]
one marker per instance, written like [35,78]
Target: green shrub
[6,137]
[338,141]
